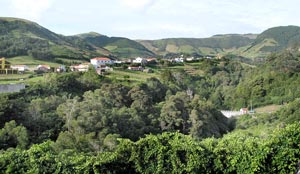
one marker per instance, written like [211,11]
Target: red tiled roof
[101,58]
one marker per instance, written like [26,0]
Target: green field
[13,78]
[134,76]
[28,77]
[27,60]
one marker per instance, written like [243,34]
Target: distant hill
[19,37]
[119,46]
[274,40]
[203,46]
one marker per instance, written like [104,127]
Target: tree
[68,111]
[90,79]
[41,118]
[13,136]
[175,113]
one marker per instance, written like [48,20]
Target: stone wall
[11,88]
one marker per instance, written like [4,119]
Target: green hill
[119,46]
[274,40]
[19,37]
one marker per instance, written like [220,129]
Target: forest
[85,123]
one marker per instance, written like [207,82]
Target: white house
[189,59]
[44,68]
[20,68]
[97,61]
[140,60]
[81,67]
[178,60]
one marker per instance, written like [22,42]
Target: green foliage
[14,161]
[42,120]
[175,113]
[273,83]
[13,136]
[168,153]
[285,150]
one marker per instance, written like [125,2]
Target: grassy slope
[274,40]
[119,46]
[31,62]
[212,45]
[26,36]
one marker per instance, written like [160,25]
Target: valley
[91,103]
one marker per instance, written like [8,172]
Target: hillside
[274,40]
[119,46]
[19,37]
[204,46]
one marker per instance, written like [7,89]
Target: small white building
[97,61]
[20,68]
[189,59]
[119,61]
[81,67]
[179,60]
[140,60]
[244,110]
[44,68]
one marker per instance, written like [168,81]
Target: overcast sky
[155,19]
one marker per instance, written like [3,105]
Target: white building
[179,60]
[21,68]
[101,61]
[189,59]
[140,60]
[44,68]
[81,67]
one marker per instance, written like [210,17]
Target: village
[100,64]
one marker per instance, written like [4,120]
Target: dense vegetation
[85,123]
[79,122]
[167,153]
[283,37]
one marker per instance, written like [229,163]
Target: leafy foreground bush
[168,153]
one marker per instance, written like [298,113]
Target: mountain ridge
[20,37]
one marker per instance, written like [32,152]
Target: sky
[155,19]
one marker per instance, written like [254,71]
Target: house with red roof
[43,68]
[97,61]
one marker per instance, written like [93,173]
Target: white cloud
[148,19]
[136,4]
[30,9]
